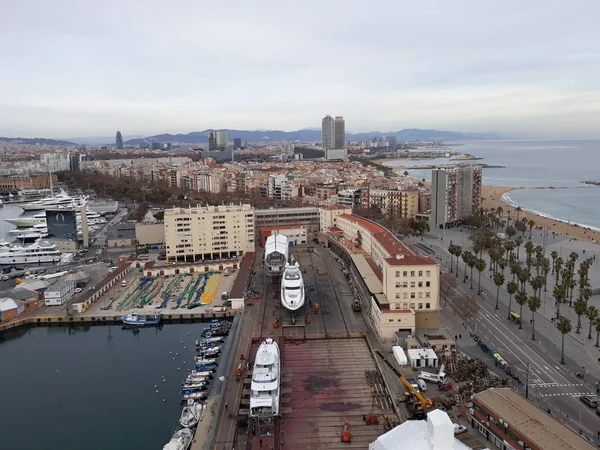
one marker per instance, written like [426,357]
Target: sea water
[531,164]
[92,387]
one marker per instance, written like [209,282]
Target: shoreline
[495,196]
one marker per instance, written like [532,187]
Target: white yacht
[181,440]
[61,199]
[93,218]
[264,390]
[36,253]
[191,414]
[292,287]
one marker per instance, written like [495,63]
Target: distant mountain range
[314,135]
[34,141]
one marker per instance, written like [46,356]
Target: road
[552,386]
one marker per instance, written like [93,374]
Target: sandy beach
[493,198]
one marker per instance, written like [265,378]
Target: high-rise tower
[119,141]
[217,141]
[340,132]
[328,132]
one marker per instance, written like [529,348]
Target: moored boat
[181,440]
[191,414]
[141,320]
[194,396]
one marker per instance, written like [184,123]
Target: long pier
[109,319]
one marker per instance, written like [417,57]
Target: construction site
[339,386]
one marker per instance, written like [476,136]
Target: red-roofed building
[409,281]
[328,215]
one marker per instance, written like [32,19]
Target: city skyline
[470,67]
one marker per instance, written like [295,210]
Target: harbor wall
[110,319]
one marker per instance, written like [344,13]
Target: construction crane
[421,403]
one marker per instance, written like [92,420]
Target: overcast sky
[74,68]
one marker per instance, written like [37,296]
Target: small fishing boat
[203,360]
[214,351]
[210,340]
[191,414]
[206,366]
[181,440]
[193,380]
[141,320]
[188,389]
[197,373]
[194,396]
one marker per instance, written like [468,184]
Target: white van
[226,272]
[225,296]
[422,385]
[123,283]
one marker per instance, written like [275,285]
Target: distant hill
[314,135]
[34,141]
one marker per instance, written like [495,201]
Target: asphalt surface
[552,386]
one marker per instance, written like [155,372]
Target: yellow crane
[421,403]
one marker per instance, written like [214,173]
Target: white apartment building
[204,233]
[279,186]
[55,162]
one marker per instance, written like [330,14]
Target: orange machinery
[346,435]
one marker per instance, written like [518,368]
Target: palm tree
[518,210]
[521,299]
[533,303]
[466,257]
[545,272]
[498,281]
[553,255]
[560,294]
[457,253]
[528,252]
[558,266]
[480,266]
[565,327]
[580,307]
[523,276]
[592,314]
[471,263]
[537,283]
[511,288]
[530,224]
[451,251]
[514,270]
[518,243]
[597,328]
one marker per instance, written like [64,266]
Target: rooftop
[529,421]
[334,207]
[435,433]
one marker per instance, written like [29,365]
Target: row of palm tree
[526,283]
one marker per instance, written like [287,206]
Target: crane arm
[424,401]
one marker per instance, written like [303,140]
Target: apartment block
[204,233]
[395,202]
[455,195]
[307,217]
[31,182]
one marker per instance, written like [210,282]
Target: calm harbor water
[92,387]
[561,164]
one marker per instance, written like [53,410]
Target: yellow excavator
[420,404]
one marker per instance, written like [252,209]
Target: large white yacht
[181,440]
[93,218]
[276,253]
[292,287]
[38,252]
[61,199]
[264,390]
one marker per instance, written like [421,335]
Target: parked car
[589,401]
[458,428]
[78,290]
[444,386]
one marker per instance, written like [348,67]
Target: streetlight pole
[527,382]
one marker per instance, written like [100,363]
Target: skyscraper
[237,143]
[119,141]
[455,194]
[328,132]
[217,141]
[340,132]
